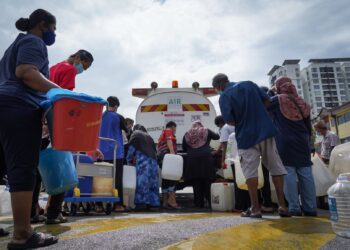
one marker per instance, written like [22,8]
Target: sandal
[284,213]
[35,241]
[59,220]
[37,219]
[177,207]
[249,214]
[267,210]
[3,233]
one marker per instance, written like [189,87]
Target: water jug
[339,162]
[240,179]
[129,178]
[5,201]
[222,196]
[323,177]
[339,205]
[57,170]
[172,167]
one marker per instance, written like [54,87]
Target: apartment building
[290,68]
[324,83]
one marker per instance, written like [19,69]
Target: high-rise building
[290,68]
[327,83]
[324,83]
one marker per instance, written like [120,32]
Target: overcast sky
[137,42]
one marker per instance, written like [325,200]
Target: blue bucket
[57,171]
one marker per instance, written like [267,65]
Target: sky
[136,42]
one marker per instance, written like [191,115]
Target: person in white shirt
[329,141]
[242,200]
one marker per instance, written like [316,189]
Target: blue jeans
[306,187]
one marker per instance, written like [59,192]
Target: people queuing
[243,105]
[291,117]
[111,127]
[167,145]
[273,128]
[199,169]
[329,140]
[142,153]
[24,80]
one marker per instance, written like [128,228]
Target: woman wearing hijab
[291,116]
[199,168]
[143,152]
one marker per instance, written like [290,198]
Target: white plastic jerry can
[172,167]
[240,179]
[129,186]
[129,177]
[5,201]
[222,196]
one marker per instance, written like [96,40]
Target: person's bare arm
[32,77]
[169,143]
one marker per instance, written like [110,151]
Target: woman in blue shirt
[291,116]
[24,72]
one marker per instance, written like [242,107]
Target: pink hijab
[197,136]
[292,106]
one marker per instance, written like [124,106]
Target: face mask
[49,37]
[79,67]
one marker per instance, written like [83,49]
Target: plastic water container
[240,179]
[129,178]
[339,162]
[74,120]
[339,205]
[57,171]
[222,196]
[323,176]
[102,186]
[172,167]
[5,201]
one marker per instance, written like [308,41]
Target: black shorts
[20,138]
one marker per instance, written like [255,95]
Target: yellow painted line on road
[287,233]
[79,229]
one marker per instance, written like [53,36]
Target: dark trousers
[265,191]
[242,199]
[201,191]
[55,206]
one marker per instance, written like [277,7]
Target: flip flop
[37,219]
[35,241]
[249,214]
[284,213]
[3,233]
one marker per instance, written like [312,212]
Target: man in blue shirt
[242,105]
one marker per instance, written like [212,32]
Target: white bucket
[5,201]
[222,196]
[172,167]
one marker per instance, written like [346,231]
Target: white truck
[181,105]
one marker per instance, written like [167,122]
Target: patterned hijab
[292,106]
[197,136]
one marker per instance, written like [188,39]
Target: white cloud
[137,42]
